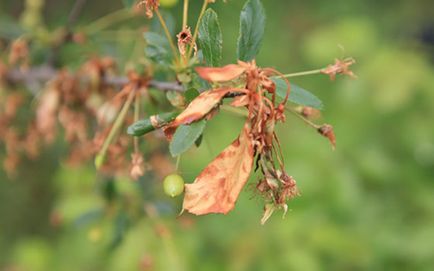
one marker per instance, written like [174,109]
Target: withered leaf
[217,187]
[200,106]
[221,74]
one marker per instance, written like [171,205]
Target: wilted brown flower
[150,6]
[185,39]
[340,67]
[138,167]
[19,52]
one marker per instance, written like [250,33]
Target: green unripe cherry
[173,185]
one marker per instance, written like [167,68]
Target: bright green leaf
[252,28]
[297,94]
[210,38]
[185,136]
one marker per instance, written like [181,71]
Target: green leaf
[158,48]
[128,3]
[145,126]
[252,28]
[297,94]
[120,228]
[185,136]
[190,95]
[210,38]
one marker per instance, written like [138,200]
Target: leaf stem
[196,29]
[167,33]
[99,159]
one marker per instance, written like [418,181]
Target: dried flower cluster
[81,104]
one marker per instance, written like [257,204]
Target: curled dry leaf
[223,74]
[216,189]
[197,109]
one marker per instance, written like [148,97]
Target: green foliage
[157,48]
[185,137]
[297,94]
[210,38]
[190,94]
[252,28]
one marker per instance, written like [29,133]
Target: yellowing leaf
[223,74]
[216,189]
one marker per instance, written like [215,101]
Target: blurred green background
[369,205]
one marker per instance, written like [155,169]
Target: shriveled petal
[216,189]
[241,101]
[221,74]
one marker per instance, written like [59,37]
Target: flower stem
[100,157]
[305,120]
[107,20]
[185,16]
[136,118]
[196,29]
[289,75]
[167,33]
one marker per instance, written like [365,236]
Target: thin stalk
[167,33]
[185,15]
[297,74]
[305,120]
[136,118]
[196,29]
[178,161]
[108,20]
[99,159]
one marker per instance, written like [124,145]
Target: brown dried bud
[326,130]
[310,113]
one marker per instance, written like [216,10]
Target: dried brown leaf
[216,189]
[199,108]
[223,74]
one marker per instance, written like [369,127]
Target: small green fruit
[173,185]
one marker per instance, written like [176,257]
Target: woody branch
[42,74]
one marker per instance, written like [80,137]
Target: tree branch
[37,75]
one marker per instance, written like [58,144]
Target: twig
[75,13]
[44,74]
